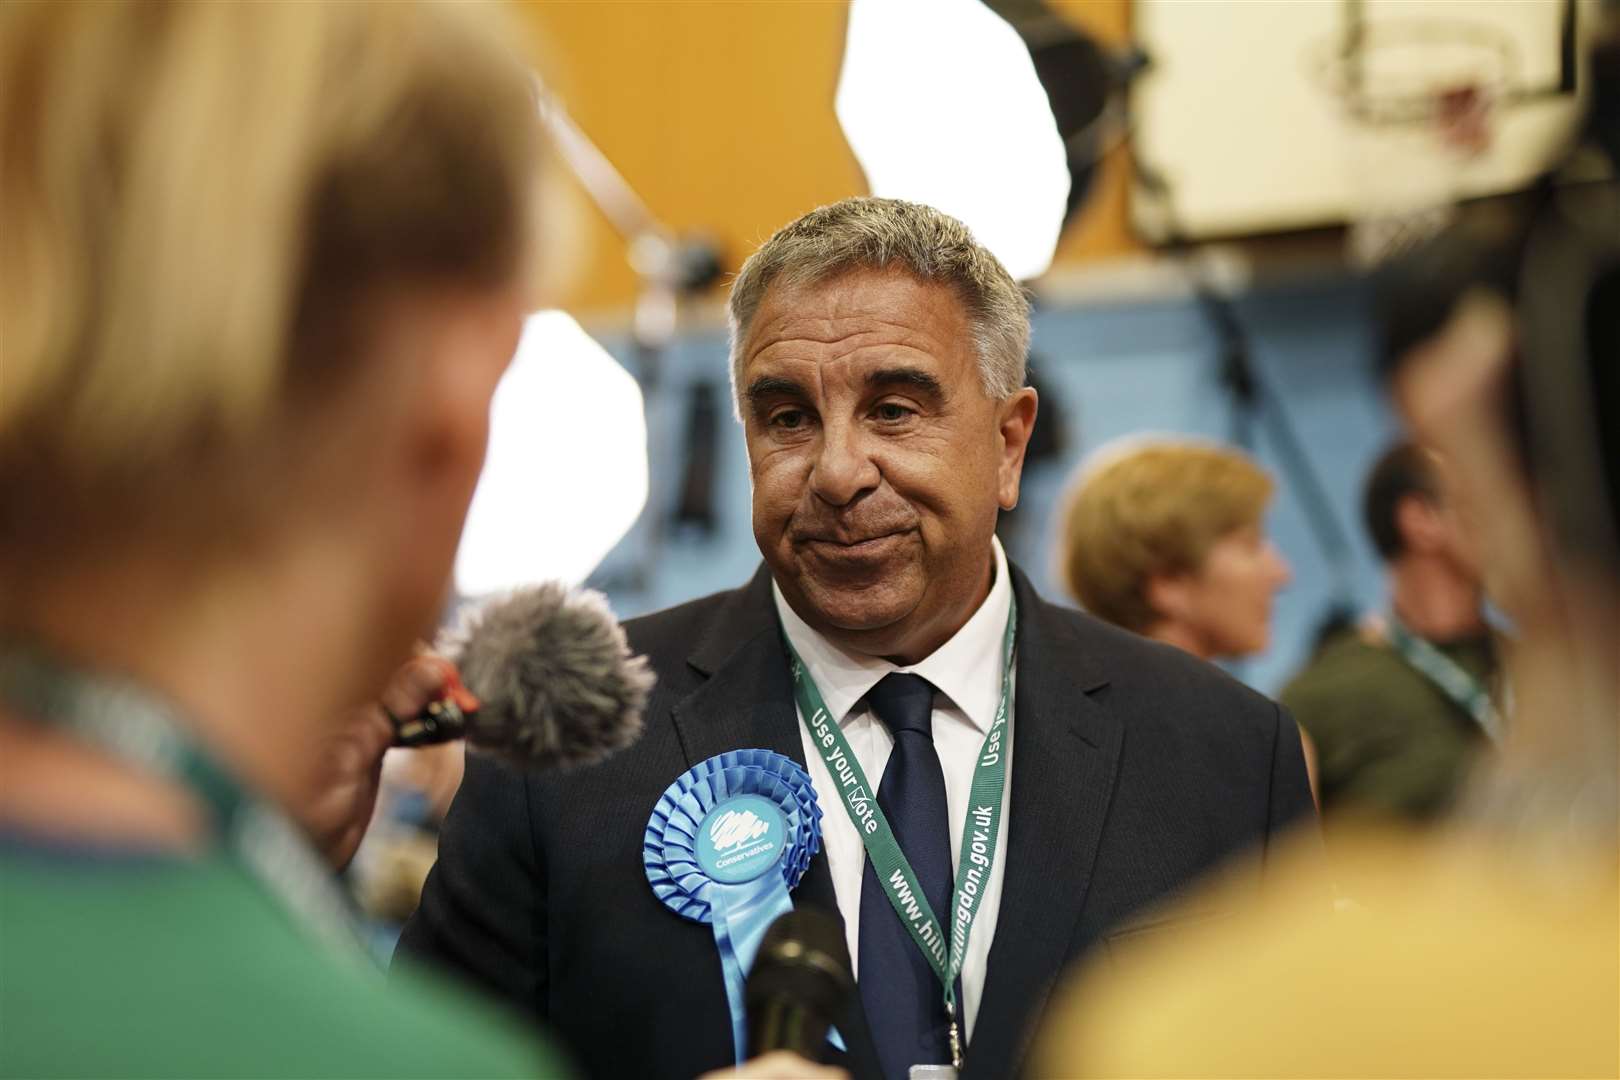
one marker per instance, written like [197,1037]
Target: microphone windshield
[554,675]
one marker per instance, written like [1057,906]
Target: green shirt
[1388,741]
[114,964]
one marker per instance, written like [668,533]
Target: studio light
[941,104]
[566,473]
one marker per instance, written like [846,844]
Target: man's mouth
[852,547]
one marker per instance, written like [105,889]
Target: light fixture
[941,104]
[566,472]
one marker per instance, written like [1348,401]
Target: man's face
[878,461]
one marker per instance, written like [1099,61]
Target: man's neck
[946,629]
[906,645]
[1435,599]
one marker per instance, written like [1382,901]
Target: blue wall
[1104,372]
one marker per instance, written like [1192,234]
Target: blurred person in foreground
[263,265]
[1488,947]
[1044,775]
[1400,710]
[1166,537]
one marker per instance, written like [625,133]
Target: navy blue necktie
[904,1001]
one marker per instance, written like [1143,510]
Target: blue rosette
[726,843]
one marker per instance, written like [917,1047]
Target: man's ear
[1015,423]
[1417,519]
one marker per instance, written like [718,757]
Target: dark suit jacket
[1136,769]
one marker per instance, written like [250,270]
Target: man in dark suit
[878,359]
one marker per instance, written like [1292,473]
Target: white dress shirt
[966,670]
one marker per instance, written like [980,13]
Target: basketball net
[1418,121]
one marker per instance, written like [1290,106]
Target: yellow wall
[721,116]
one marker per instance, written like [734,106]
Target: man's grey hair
[880,234]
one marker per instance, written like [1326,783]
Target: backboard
[1244,112]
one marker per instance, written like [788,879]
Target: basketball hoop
[1418,102]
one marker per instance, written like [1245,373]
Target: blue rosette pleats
[726,843]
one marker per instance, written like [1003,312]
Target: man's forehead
[869,308]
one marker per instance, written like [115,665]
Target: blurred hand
[343,786]
[781,1065]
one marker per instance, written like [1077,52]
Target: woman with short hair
[1165,537]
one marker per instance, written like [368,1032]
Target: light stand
[669,267]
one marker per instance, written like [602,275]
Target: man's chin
[852,607]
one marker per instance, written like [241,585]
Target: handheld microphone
[800,984]
[549,681]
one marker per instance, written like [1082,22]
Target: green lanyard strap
[129,723]
[979,833]
[1461,687]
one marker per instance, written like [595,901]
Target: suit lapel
[747,702]
[747,699]
[1065,756]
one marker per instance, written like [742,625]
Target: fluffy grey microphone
[554,675]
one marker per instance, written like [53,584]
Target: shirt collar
[966,669]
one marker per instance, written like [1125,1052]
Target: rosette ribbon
[725,844]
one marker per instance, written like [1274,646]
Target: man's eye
[890,412]
[788,419]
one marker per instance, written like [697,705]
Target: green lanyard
[129,723]
[1451,678]
[978,851]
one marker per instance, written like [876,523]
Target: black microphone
[800,984]
[551,677]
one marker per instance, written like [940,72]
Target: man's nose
[844,468]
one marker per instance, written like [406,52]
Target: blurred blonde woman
[1166,538]
[263,265]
